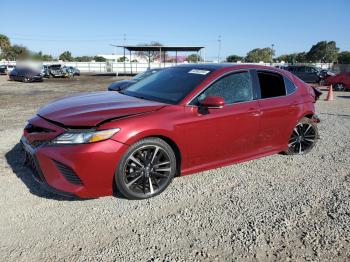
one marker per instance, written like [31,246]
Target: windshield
[143,75]
[169,85]
[55,66]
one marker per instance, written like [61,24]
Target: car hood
[119,85]
[90,109]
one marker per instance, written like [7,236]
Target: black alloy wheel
[146,169]
[303,138]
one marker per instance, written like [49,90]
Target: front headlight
[85,136]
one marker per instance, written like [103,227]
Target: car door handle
[254,111]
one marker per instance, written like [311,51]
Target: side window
[308,69]
[290,87]
[233,88]
[271,84]
[299,69]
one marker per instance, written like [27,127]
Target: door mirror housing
[212,102]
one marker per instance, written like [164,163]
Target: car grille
[32,163]
[68,173]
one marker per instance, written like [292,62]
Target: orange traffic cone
[330,94]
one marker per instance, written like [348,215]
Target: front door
[222,134]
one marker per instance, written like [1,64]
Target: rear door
[279,106]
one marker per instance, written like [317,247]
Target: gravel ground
[274,208]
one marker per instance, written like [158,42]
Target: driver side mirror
[212,102]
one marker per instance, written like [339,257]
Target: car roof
[211,67]
[223,66]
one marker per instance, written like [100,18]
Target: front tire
[146,169]
[304,137]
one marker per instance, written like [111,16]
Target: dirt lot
[274,208]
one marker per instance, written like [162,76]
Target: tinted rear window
[271,84]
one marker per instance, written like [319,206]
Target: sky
[90,27]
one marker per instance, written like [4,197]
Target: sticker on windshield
[198,72]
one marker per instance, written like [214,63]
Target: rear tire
[338,87]
[146,169]
[303,138]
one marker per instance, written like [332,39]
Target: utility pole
[272,50]
[219,48]
[124,57]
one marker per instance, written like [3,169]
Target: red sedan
[179,121]
[340,82]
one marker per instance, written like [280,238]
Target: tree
[344,57]
[4,43]
[83,58]
[16,52]
[301,57]
[289,58]
[100,59]
[47,58]
[152,54]
[41,57]
[260,54]
[323,51]
[193,58]
[122,59]
[234,58]
[66,56]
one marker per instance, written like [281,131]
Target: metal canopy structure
[163,48]
[149,49]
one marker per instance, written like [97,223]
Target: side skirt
[228,162]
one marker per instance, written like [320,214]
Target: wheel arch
[164,134]
[308,115]
[174,147]
[170,141]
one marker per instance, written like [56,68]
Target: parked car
[182,120]
[25,75]
[57,70]
[340,82]
[326,73]
[6,69]
[3,70]
[45,72]
[281,67]
[72,70]
[120,85]
[308,74]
